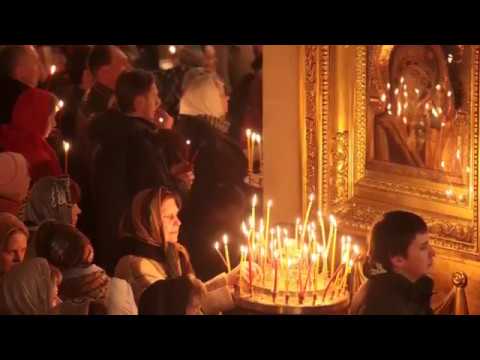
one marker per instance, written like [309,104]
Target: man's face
[149,104]
[170,222]
[13,252]
[418,261]
[28,68]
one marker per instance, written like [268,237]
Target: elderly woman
[149,233]
[218,195]
[13,242]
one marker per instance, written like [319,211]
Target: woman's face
[170,222]
[13,251]
[76,211]
[51,124]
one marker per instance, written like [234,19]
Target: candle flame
[402,80]
[396,91]
[356,249]
[188,142]
[53,69]
[254,200]
[311,197]
[244,229]
[442,164]
[405,94]
[332,220]
[467,169]
[269,203]
[172,49]
[439,110]
[289,262]
[66,146]
[314,257]
[351,263]
[405,120]
[449,93]
[216,245]
[434,112]
[438,87]
[388,86]
[59,105]
[389,106]
[399,108]
[249,133]
[383,97]
[427,106]
[161,120]
[344,240]
[417,92]
[225,239]
[405,106]
[259,138]
[458,154]
[450,58]
[443,124]
[297,221]
[449,192]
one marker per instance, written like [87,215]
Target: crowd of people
[101,233]
[154,174]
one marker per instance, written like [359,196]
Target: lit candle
[188,143]
[250,272]
[263,261]
[307,215]
[314,261]
[66,148]
[252,151]
[275,277]
[322,227]
[297,224]
[287,280]
[254,205]
[267,225]
[53,69]
[161,121]
[227,254]
[259,142]
[217,249]
[249,135]
[172,49]
[334,253]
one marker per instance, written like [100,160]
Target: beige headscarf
[27,289]
[202,94]
[8,225]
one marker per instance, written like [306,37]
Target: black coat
[218,199]
[10,90]
[393,294]
[128,158]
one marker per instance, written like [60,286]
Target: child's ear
[397,261]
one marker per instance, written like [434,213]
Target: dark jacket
[218,197]
[10,90]
[128,158]
[393,294]
[81,158]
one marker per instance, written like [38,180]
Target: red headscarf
[25,133]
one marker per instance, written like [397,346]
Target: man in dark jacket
[105,63]
[399,260]
[19,71]
[130,157]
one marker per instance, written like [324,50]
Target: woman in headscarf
[218,195]
[14,182]
[149,234]
[32,121]
[71,251]
[13,242]
[30,289]
[51,198]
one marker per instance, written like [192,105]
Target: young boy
[399,260]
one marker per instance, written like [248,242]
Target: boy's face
[418,261]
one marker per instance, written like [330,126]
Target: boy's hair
[131,84]
[393,234]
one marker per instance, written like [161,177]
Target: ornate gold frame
[333,122]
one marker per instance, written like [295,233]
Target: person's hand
[233,277]
[167,120]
